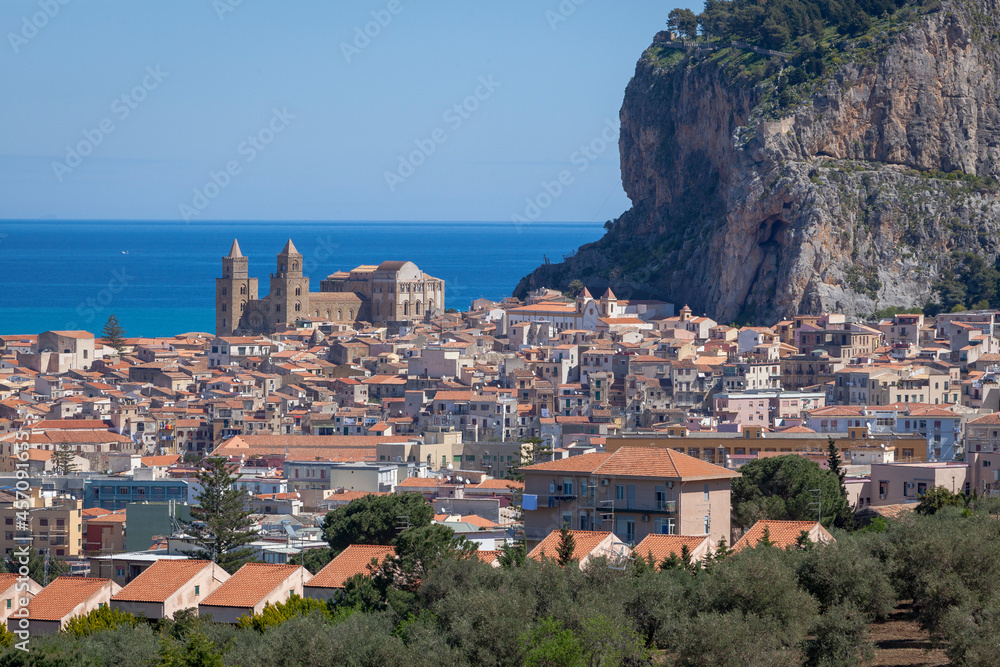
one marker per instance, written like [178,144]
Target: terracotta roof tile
[161,580]
[349,562]
[61,596]
[637,462]
[250,584]
[585,542]
[662,546]
[781,533]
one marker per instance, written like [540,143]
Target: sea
[158,278]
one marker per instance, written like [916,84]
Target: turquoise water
[158,277]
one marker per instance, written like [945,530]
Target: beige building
[392,292]
[901,483]
[633,492]
[751,441]
[13,593]
[983,434]
[587,544]
[253,586]
[168,586]
[63,599]
[54,524]
[60,352]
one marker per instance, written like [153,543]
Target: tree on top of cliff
[683,21]
[777,24]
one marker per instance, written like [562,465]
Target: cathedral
[391,293]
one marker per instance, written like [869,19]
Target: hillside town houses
[626,421]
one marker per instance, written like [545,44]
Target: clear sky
[316,109]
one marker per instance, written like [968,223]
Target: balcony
[631,505]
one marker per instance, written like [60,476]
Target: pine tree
[567,545]
[803,541]
[722,550]
[765,540]
[62,459]
[835,462]
[114,334]
[221,524]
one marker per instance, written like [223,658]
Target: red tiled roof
[61,596]
[250,584]
[781,533]
[349,562]
[161,580]
[662,546]
[585,541]
[500,484]
[637,462]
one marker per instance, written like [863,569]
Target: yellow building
[714,447]
[52,524]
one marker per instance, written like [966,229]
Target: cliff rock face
[837,202]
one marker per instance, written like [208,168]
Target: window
[8,602]
[197,590]
[619,492]
[706,493]
[708,523]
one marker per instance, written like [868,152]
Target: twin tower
[391,293]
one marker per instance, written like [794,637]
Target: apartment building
[54,524]
[632,492]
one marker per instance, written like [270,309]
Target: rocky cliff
[851,194]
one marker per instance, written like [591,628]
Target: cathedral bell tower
[232,291]
[289,294]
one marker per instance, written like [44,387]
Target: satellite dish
[451,466]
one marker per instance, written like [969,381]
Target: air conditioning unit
[605,482]
[670,485]
[645,517]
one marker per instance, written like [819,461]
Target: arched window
[223,323]
[350,314]
[340,314]
[295,266]
[406,308]
[298,291]
[317,312]
[377,309]
[430,305]
[416,308]
[223,291]
[223,307]
[243,304]
[298,306]
[328,314]
[277,308]
[282,267]
[243,289]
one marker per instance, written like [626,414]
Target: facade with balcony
[632,492]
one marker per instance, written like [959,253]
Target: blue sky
[316,110]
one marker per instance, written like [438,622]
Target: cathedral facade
[390,293]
